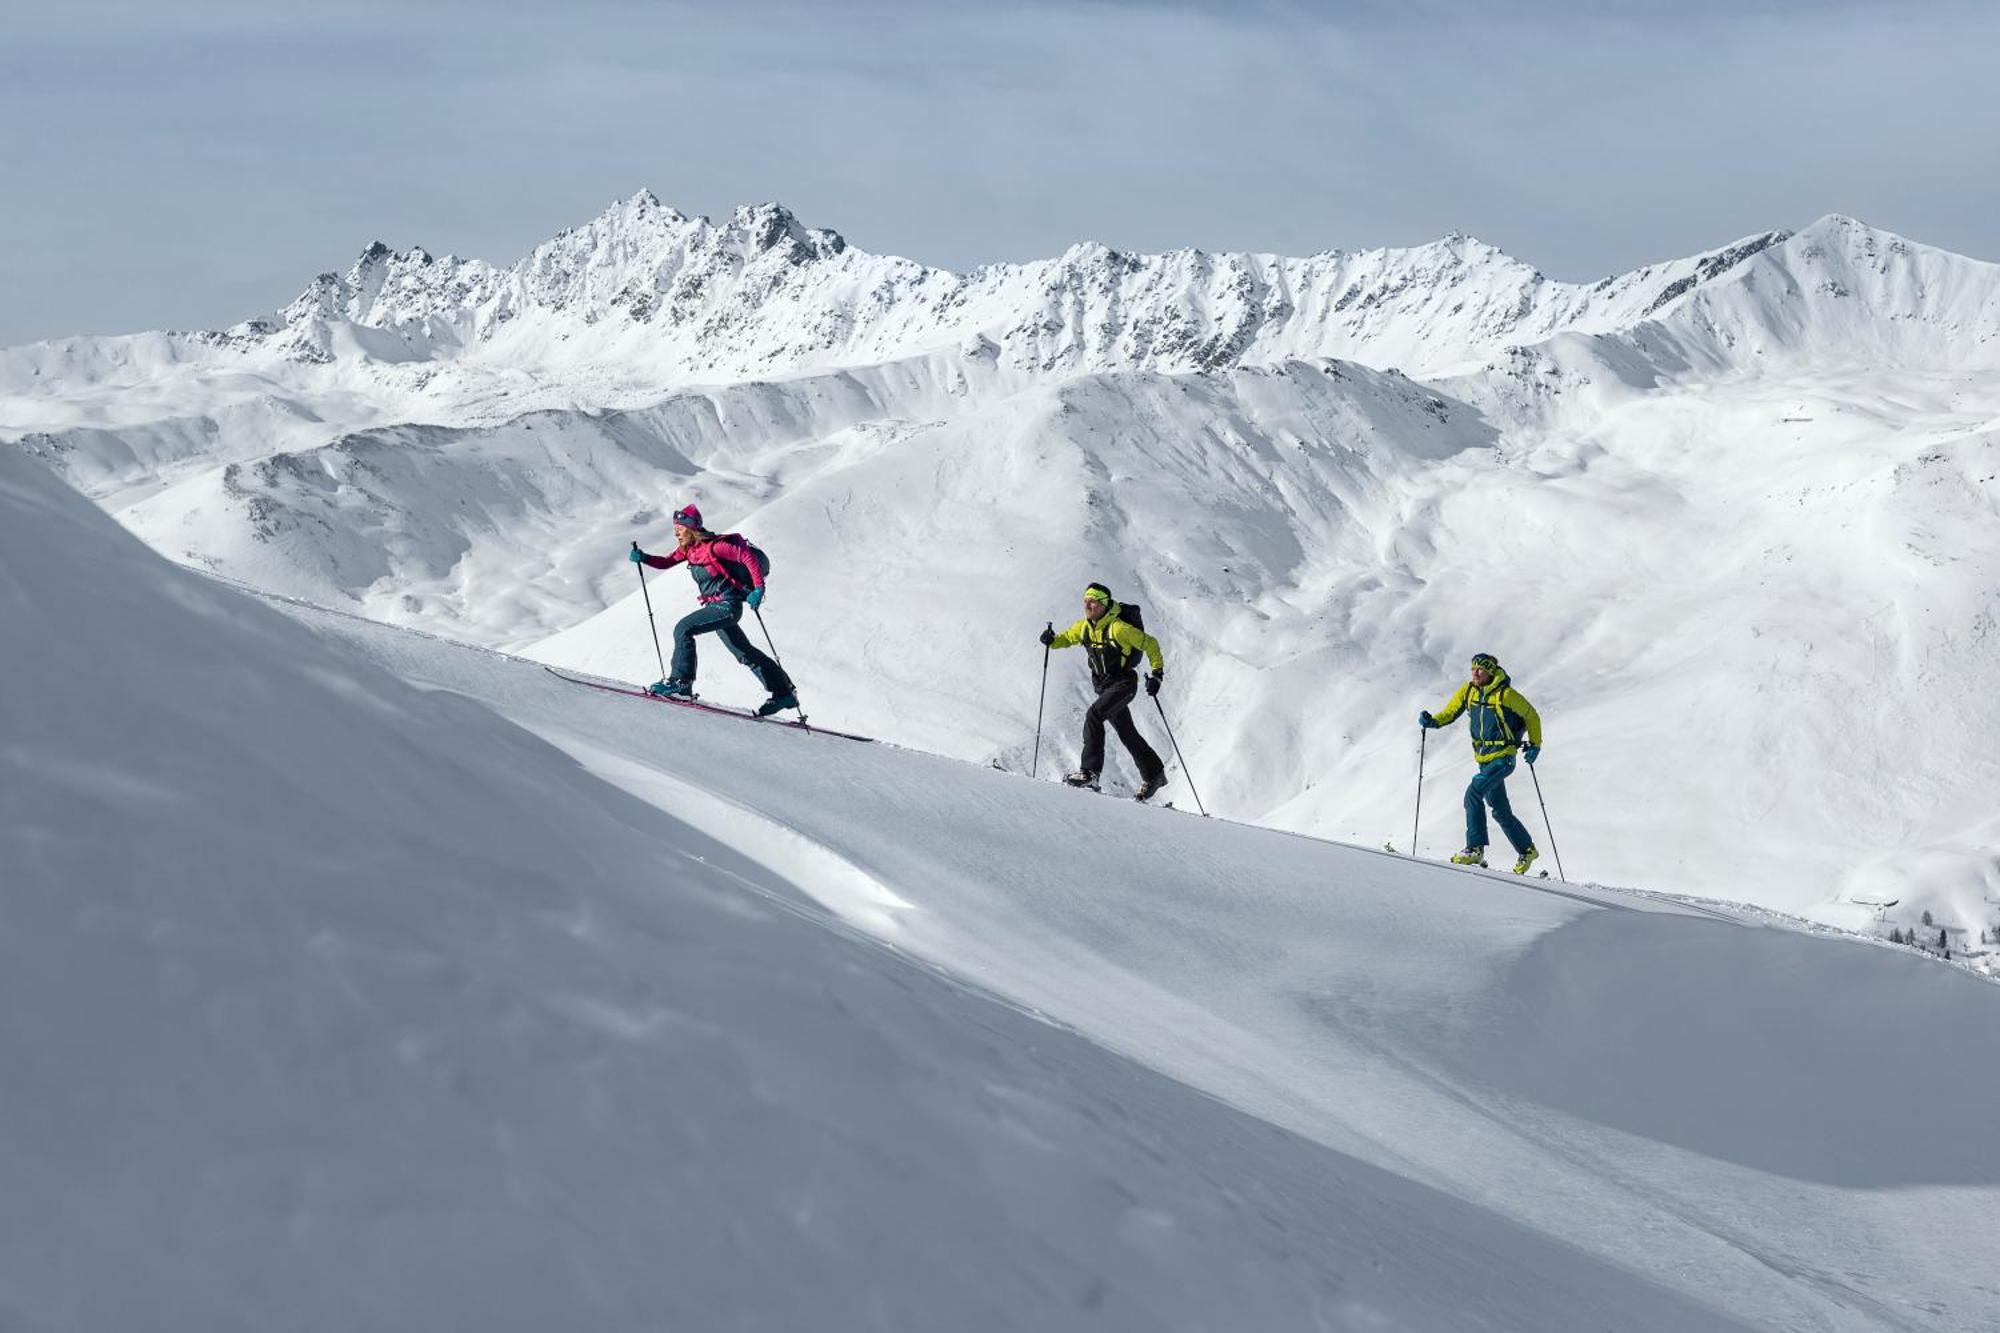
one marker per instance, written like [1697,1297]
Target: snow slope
[1725,517]
[352,978]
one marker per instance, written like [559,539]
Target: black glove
[1425,720]
[1048,636]
[1153,683]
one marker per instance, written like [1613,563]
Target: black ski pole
[641,571]
[1545,824]
[1423,739]
[775,658]
[1035,764]
[1177,755]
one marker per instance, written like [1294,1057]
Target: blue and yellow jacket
[1114,645]
[1500,717]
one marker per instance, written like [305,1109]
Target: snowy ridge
[352,978]
[760,294]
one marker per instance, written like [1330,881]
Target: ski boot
[672,689]
[1471,856]
[1087,781]
[1527,859]
[1148,786]
[778,703]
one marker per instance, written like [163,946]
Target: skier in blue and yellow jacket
[1502,722]
[1116,642]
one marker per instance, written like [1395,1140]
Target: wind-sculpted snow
[1725,516]
[334,1003]
[349,978]
[330,1002]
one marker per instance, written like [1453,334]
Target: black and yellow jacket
[1114,646]
[1501,718]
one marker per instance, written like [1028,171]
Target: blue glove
[755,599]
[1426,721]
[638,556]
[1531,753]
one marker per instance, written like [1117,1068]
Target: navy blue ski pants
[720,619]
[1489,787]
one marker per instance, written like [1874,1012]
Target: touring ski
[701,706]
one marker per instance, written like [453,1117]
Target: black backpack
[756,553]
[1103,662]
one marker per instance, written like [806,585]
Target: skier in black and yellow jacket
[1501,721]
[1115,644]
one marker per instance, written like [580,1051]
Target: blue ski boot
[777,703]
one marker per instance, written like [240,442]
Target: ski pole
[1545,824]
[775,658]
[641,571]
[1423,739]
[1508,732]
[1035,764]
[1177,755]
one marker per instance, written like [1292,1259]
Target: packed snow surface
[350,978]
[1727,519]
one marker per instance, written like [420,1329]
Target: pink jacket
[722,567]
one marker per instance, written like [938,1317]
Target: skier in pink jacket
[729,575]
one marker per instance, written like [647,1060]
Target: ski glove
[638,557]
[1153,684]
[1531,753]
[1047,636]
[755,599]
[1425,720]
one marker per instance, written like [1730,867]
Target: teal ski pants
[1489,787]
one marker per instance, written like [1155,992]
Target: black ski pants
[1114,705]
[719,619]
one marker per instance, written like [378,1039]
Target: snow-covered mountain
[354,979]
[644,298]
[763,295]
[1726,517]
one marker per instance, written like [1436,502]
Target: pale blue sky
[187,163]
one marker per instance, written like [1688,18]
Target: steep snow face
[1838,295]
[329,1001]
[353,979]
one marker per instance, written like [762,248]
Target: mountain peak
[758,290]
[770,226]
